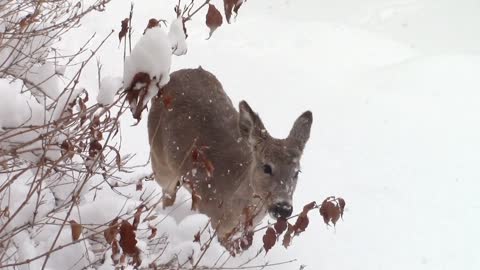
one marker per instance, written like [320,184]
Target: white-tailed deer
[228,158]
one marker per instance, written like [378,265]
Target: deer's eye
[296,174]
[267,169]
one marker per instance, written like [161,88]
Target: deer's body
[202,118]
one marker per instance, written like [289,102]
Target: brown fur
[202,116]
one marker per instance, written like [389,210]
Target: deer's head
[275,162]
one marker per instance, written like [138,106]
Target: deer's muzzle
[280,210]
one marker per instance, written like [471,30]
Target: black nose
[282,210]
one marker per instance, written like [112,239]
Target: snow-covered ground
[394,89]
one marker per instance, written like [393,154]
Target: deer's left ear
[300,132]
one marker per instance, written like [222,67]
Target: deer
[248,167]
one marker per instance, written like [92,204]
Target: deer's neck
[244,195]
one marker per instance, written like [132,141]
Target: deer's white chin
[273,215]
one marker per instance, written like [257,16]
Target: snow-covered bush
[68,198]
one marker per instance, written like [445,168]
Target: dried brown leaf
[247,240]
[152,217]
[332,209]
[115,251]
[123,30]
[139,185]
[136,217]
[280,226]
[196,237]
[137,261]
[112,231]
[301,224]
[269,239]
[135,97]
[341,203]
[287,237]
[86,98]
[128,243]
[231,6]
[151,23]
[213,19]
[309,207]
[154,232]
[95,147]
[76,229]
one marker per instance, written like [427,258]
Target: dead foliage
[213,19]
[231,6]
[76,229]
[124,29]
[332,209]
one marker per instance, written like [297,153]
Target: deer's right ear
[246,120]
[250,126]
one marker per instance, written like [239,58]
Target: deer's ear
[249,124]
[300,132]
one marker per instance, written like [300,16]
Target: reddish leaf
[95,121]
[214,19]
[280,226]
[154,232]
[135,95]
[83,111]
[123,259]
[301,224]
[302,221]
[309,207]
[151,23]
[196,237]
[94,148]
[231,5]
[152,217]
[332,209]
[128,243]
[237,6]
[115,251]
[269,239]
[153,266]
[341,203]
[85,99]
[112,231]
[136,217]
[139,185]
[67,146]
[123,30]
[137,261]
[287,238]
[247,240]
[76,230]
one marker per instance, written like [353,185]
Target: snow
[177,37]
[393,87]
[17,109]
[43,81]
[109,87]
[152,54]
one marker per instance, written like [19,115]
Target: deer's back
[199,112]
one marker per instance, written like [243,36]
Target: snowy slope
[393,86]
